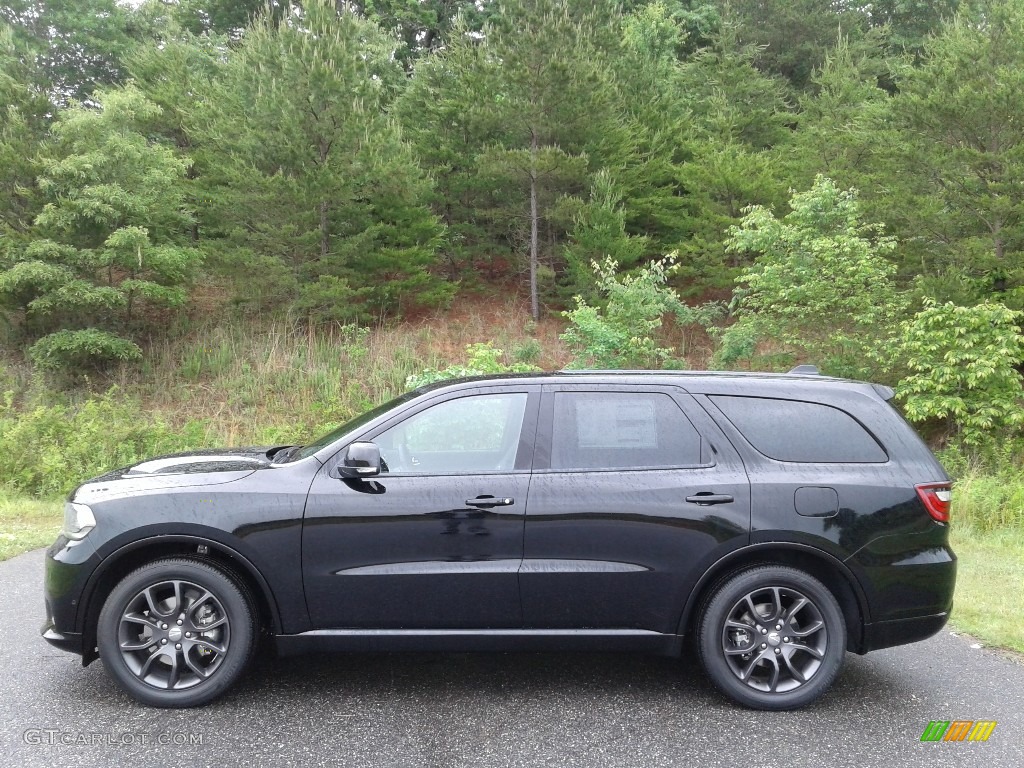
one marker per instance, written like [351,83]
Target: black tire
[177,632]
[771,637]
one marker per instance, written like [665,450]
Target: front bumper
[66,641]
[68,566]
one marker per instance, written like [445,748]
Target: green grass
[990,579]
[988,537]
[988,501]
[27,523]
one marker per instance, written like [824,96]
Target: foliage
[73,351]
[963,364]
[624,333]
[990,499]
[108,245]
[424,26]
[53,447]
[793,35]
[481,359]
[820,287]
[599,232]
[957,155]
[22,125]
[842,123]
[77,45]
[325,184]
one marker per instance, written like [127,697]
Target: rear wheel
[772,637]
[177,632]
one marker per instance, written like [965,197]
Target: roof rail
[806,370]
[631,372]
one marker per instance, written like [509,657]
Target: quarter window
[621,430]
[792,430]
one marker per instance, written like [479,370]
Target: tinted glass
[790,430]
[350,426]
[621,430]
[469,434]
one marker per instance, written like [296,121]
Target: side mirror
[361,460]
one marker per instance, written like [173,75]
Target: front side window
[469,434]
[621,430]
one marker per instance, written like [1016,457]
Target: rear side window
[621,430]
[791,430]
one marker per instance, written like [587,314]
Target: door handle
[707,498]
[486,502]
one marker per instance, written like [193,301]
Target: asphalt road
[497,709]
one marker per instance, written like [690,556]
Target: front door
[436,540]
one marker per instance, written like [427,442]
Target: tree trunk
[324,231]
[192,174]
[534,221]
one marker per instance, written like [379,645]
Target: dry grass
[243,379]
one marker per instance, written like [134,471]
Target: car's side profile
[772,522]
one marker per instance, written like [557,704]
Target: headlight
[78,521]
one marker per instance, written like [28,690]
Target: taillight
[936,498]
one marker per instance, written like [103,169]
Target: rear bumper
[885,634]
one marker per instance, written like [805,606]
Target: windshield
[356,423]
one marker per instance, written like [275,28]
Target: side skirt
[389,640]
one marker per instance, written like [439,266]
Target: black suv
[773,521]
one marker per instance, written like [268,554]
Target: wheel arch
[835,575]
[123,561]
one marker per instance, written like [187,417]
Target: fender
[116,555]
[721,566]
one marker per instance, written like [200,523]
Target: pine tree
[555,102]
[955,187]
[23,121]
[307,174]
[447,118]
[108,247]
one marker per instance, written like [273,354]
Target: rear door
[634,491]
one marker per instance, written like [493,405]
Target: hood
[196,463]
[207,467]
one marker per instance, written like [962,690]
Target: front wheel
[176,633]
[772,637]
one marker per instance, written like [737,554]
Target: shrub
[820,287]
[623,334]
[482,359]
[73,351]
[52,448]
[963,363]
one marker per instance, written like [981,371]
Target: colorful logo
[958,730]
